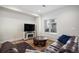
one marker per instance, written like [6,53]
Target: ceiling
[34,10]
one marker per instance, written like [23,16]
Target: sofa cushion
[64,38]
[7,47]
[23,46]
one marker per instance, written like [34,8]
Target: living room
[14,19]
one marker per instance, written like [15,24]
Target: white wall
[67,19]
[12,24]
[38,22]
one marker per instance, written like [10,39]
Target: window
[50,26]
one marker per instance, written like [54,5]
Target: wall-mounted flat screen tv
[29,27]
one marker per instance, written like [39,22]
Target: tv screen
[29,27]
